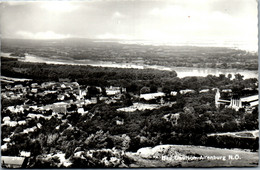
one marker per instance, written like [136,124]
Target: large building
[236,102]
[13,162]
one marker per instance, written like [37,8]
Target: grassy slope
[247,158]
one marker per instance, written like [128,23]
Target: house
[34,90]
[49,92]
[6,118]
[150,96]
[25,154]
[41,94]
[7,121]
[173,93]
[13,162]
[8,87]
[4,147]
[79,154]
[39,125]
[34,85]
[114,90]
[119,122]
[14,97]
[18,87]
[47,84]
[60,97]
[6,139]
[187,91]
[103,98]
[226,90]
[204,91]
[34,107]
[82,111]
[18,108]
[93,100]
[59,107]
[21,122]
[63,86]
[27,130]
[9,93]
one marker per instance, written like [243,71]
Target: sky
[174,21]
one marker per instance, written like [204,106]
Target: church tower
[217,97]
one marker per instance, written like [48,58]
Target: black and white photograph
[129,84]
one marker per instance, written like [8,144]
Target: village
[46,100]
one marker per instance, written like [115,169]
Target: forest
[132,79]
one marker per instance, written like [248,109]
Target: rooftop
[250,98]
[12,161]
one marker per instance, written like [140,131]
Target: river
[181,71]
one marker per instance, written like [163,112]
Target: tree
[97,140]
[230,76]
[36,148]
[121,142]
[191,83]
[222,76]
[224,65]
[153,88]
[167,90]
[145,90]
[93,91]
[132,88]
[72,107]
[176,84]
[239,77]
[188,110]
[127,100]
[230,126]
[104,93]
[186,122]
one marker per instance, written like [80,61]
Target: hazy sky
[170,20]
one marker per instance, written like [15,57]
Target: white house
[150,96]
[187,91]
